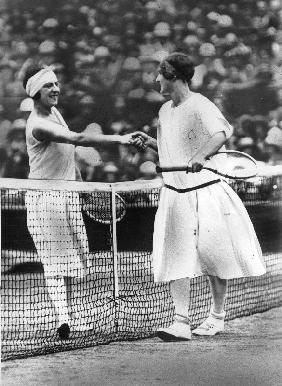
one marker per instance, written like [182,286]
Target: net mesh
[109,293]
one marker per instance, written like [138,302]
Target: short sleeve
[212,119]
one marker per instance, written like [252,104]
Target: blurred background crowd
[106,55]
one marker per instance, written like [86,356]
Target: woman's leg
[215,321]
[58,293]
[218,291]
[180,328]
[180,292]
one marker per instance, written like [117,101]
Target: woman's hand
[196,163]
[126,139]
[140,140]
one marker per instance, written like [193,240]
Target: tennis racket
[229,164]
[98,206]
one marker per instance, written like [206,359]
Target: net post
[114,242]
[0,229]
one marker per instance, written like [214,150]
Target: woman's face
[165,84]
[49,94]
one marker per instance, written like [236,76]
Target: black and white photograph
[141,192]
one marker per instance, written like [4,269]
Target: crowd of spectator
[106,56]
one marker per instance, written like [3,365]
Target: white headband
[37,81]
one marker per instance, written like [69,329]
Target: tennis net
[100,236]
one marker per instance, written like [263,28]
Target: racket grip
[158,169]
[166,169]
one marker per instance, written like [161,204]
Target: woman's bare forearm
[213,145]
[88,139]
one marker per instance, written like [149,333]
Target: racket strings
[235,164]
[229,164]
[99,207]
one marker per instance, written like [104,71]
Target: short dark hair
[180,66]
[32,70]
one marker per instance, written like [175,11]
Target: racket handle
[165,169]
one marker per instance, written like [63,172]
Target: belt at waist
[191,189]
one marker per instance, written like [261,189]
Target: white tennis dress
[54,218]
[206,230]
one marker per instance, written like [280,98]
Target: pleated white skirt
[56,225]
[204,232]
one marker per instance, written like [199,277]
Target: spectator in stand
[3,160]
[17,159]
[273,142]
[89,41]
[147,171]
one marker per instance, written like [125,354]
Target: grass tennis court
[248,353]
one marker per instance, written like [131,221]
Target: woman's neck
[43,110]
[181,94]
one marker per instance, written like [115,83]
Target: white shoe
[211,326]
[179,330]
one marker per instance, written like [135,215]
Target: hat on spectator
[230,38]
[224,21]
[192,26]
[110,167]
[95,128]
[162,29]
[131,64]
[275,5]
[159,56]
[101,52]
[84,9]
[50,23]
[152,5]
[20,49]
[191,40]
[274,137]
[207,49]
[47,47]
[245,142]
[213,16]
[88,155]
[97,31]
[148,168]
[81,45]
[117,127]
[27,104]
[19,124]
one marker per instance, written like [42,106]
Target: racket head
[233,164]
[98,206]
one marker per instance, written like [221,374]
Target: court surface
[248,353]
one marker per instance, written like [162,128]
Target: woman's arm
[53,132]
[207,150]
[142,140]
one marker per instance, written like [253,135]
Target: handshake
[138,139]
